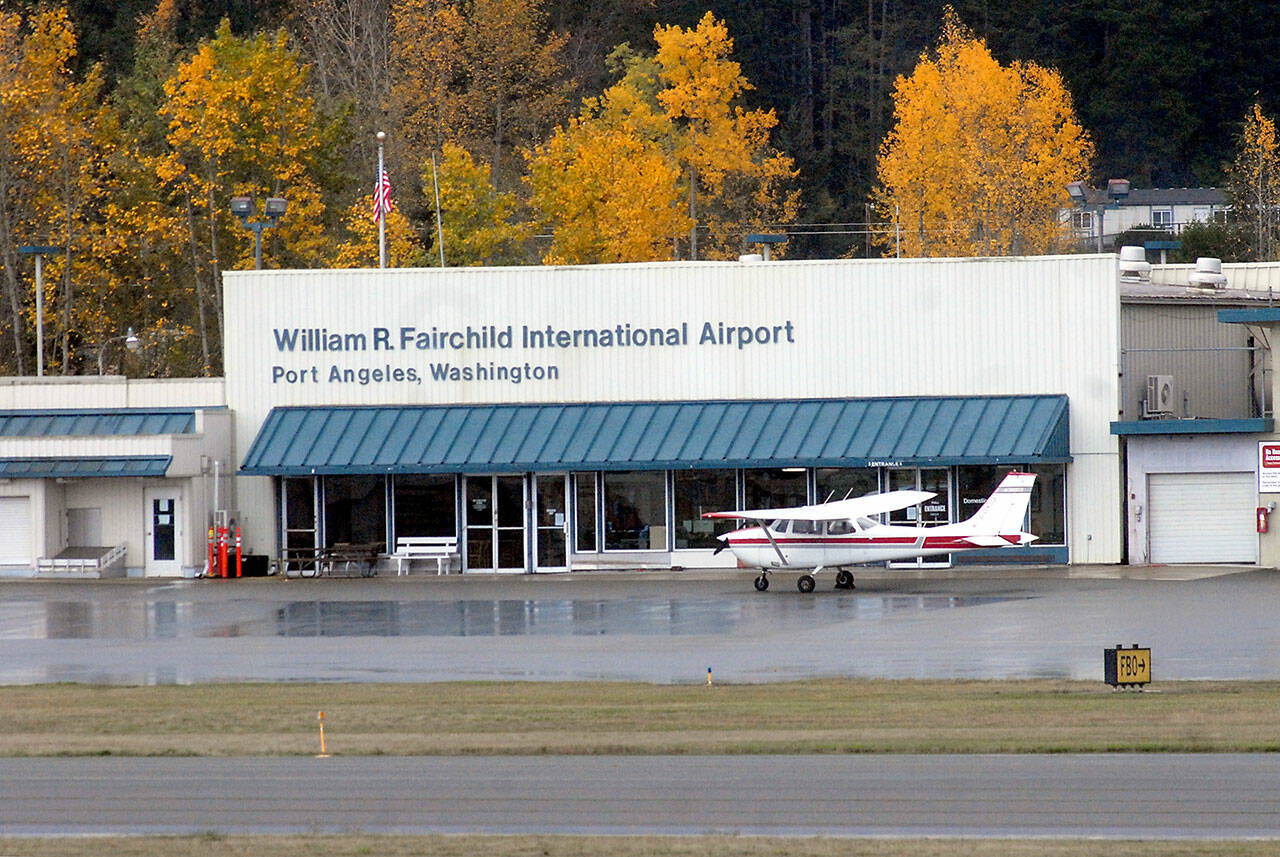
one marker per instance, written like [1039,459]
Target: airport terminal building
[559,418]
[554,418]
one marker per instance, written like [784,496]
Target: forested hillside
[1161,86]
[554,131]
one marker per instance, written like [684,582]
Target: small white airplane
[843,533]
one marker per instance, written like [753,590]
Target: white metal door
[164,532]
[1202,517]
[15,531]
[551,521]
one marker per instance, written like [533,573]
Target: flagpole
[382,217]
[435,183]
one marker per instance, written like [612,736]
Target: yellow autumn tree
[485,75]
[734,179]
[360,249]
[1255,182]
[608,182]
[980,154]
[52,159]
[241,123]
[665,160]
[477,222]
[141,251]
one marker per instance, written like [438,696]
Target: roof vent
[1134,267]
[750,258]
[1208,274]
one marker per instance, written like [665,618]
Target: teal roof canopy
[88,423]
[84,467]
[914,431]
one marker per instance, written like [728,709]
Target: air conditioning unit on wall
[1159,400]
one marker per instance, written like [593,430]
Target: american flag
[382,196]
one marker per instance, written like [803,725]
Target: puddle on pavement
[174,619]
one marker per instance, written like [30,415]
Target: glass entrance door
[495,513]
[551,521]
[930,513]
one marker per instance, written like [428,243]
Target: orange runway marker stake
[322,754]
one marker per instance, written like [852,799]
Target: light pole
[39,252]
[1117,189]
[243,208]
[130,342]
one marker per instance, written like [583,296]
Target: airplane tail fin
[1006,509]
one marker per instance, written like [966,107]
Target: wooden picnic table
[342,559]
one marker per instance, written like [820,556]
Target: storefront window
[425,505]
[355,510]
[775,489]
[584,488]
[1049,503]
[843,483]
[699,491]
[1048,518]
[976,483]
[635,504]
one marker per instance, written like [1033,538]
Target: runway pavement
[1122,796]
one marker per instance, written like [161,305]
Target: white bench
[440,548]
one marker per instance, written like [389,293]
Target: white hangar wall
[839,328]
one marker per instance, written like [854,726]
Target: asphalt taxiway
[1202,622]
[1202,796]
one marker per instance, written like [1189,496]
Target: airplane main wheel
[805,583]
[844,579]
[762,583]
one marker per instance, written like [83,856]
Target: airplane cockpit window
[803,528]
[779,526]
[866,523]
[840,528]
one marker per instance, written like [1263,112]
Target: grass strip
[213,845]
[522,718]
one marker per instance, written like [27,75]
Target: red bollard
[212,567]
[237,551]
[222,552]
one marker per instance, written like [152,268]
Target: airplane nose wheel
[844,579]
[805,583]
[762,583]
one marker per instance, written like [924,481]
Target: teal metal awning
[84,467]
[915,431]
[1252,425]
[88,423]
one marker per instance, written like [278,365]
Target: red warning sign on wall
[1268,467]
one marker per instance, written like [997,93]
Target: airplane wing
[837,510]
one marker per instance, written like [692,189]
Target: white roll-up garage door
[1202,517]
[15,531]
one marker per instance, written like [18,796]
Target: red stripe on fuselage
[931,542]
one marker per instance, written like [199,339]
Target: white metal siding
[15,531]
[1202,517]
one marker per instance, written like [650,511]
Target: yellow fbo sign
[1126,667]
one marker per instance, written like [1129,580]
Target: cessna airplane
[842,533]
